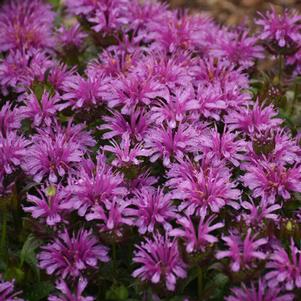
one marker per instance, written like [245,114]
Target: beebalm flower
[133,90]
[258,292]
[143,180]
[284,267]
[136,125]
[10,118]
[83,92]
[69,256]
[270,180]
[152,208]
[176,109]
[159,261]
[196,239]
[49,204]
[110,16]
[221,72]
[224,145]
[281,29]
[69,37]
[94,184]
[25,24]
[252,120]
[239,48]
[81,7]
[167,143]
[111,216]
[42,111]
[67,294]
[125,153]
[210,101]
[258,213]
[53,155]
[13,149]
[202,187]
[7,292]
[242,252]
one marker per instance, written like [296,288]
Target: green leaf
[28,254]
[117,293]
[39,291]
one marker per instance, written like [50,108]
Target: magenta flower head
[112,215]
[168,144]
[7,292]
[81,7]
[242,252]
[125,153]
[258,292]
[285,267]
[69,37]
[239,48]
[94,184]
[202,188]
[42,111]
[270,180]
[83,92]
[69,256]
[53,155]
[196,240]
[49,205]
[25,24]
[152,208]
[224,145]
[159,260]
[67,294]
[280,29]
[252,120]
[10,118]
[12,151]
[119,125]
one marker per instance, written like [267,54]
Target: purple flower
[258,213]
[176,109]
[152,208]
[202,188]
[70,37]
[281,29]
[110,16]
[49,205]
[239,48]
[112,215]
[196,240]
[54,155]
[12,151]
[119,125]
[67,294]
[168,143]
[258,292]
[223,146]
[270,180]
[125,153]
[134,90]
[69,256]
[25,24]
[242,252]
[7,291]
[252,120]
[95,184]
[42,111]
[81,7]
[285,267]
[160,261]
[10,118]
[83,92]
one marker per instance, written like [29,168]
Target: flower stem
[200,283]
[3,232]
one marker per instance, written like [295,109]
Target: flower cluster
[143,145]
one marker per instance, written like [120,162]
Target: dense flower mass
[148,153]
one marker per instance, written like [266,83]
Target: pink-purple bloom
[7,291]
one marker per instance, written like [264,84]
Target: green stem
[281,65]
[200,283]
[114,258]
[3,232]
